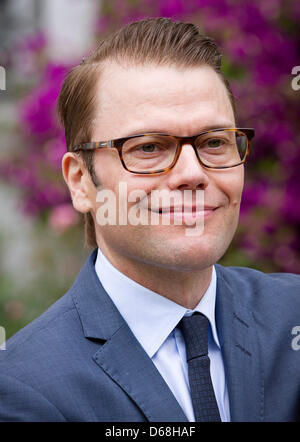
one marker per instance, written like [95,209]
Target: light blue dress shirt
[153,319]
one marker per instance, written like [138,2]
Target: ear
[78,181]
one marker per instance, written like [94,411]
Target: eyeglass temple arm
[93,145]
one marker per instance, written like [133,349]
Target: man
[151,110]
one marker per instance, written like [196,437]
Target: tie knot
[194,329]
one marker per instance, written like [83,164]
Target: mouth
[188,215]
[184,209]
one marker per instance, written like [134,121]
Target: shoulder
[260,291]
[30,351]
[31,359]
[55,341]
[256,278]
[53,318]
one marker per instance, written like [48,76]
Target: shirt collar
[153,316]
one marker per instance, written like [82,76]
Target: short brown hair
[156,40]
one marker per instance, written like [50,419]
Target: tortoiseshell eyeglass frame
[118,143]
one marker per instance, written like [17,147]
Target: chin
[189,257]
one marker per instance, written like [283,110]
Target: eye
[148,148]
[215,142]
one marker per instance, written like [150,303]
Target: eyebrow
[163,131]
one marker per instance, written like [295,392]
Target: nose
[188,173]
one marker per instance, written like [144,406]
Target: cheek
[138,189]
[128,189]
[232,185]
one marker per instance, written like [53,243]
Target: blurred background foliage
[261,45]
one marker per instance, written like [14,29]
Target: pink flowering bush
[261,42]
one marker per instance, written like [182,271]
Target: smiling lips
[184,209]
[186,214]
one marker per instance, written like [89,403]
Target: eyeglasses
[152,153]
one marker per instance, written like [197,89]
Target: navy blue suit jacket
[79,361]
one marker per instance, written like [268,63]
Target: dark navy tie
[195,332]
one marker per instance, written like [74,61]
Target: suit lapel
[125,361]
[121,356]
[240,349]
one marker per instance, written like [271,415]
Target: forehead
[182,101]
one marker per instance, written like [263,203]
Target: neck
[186,288]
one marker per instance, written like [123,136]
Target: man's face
[182,102]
